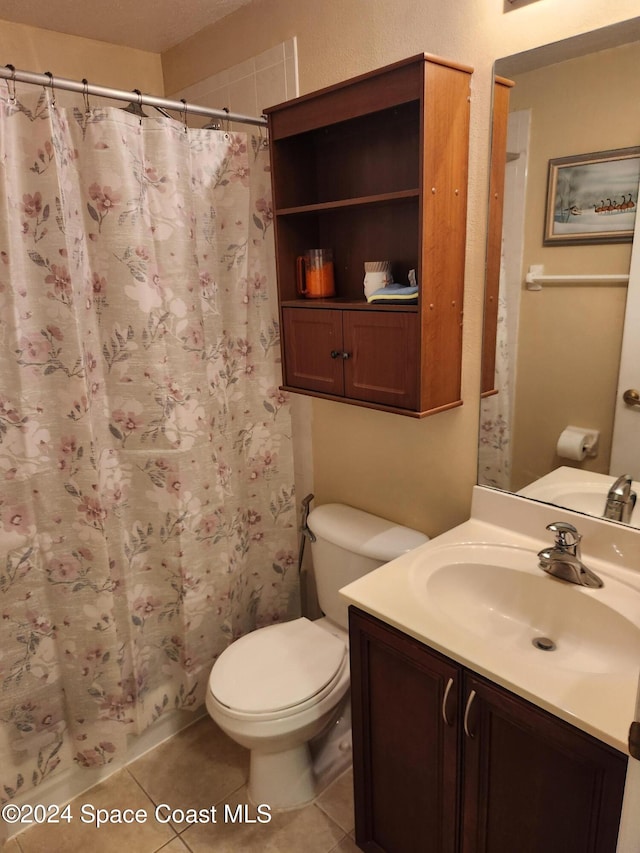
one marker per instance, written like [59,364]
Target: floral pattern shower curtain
[146,503]
[494,445]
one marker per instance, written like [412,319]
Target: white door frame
[625,444]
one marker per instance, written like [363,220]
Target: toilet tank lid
[362,532]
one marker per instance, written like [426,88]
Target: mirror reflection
[552,426]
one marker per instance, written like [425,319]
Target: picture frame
[592,198]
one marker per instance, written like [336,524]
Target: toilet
[282,690]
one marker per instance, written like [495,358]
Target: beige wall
[570,336]
[33,49]
[416,472]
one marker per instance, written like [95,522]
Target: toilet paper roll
[573,444]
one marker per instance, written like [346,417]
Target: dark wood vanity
[448,762]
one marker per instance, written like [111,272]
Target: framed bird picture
[592,198]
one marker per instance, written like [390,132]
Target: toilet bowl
[282,690]
[277,690]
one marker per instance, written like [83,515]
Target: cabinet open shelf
[341,304]
[326,206]
[375,169]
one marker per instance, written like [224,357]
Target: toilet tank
[349,544]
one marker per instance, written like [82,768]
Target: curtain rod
[84,88]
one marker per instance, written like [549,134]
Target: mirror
[556,341]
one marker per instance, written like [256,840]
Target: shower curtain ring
[53,91]
[140,110]
[11,83]
[85,95]
[226,130]
[183,113]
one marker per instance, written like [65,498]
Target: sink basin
[585,497]
[476,594]
[582,491]
[499,595]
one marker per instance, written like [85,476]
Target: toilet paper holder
[591,442]
[576,443]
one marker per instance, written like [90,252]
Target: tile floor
[195,769]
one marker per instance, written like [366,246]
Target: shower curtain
[147,511]
[494,445]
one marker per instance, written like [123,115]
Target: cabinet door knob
[346,355]
[467,710]
[447,690]
[335,353]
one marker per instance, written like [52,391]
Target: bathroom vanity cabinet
[447,761]
[375,168]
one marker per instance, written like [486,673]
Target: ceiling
[153,25]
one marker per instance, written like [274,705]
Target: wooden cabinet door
[405,741]
[532,783]
[382,366]
[312,346]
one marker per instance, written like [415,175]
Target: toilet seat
[278,671]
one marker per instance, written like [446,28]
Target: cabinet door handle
[346,355]
[447,690]
[335,353]
[467,710]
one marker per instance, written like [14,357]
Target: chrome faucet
[563,560]
[620,500]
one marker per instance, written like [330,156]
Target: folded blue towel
[395,293]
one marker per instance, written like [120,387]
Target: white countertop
[601,703]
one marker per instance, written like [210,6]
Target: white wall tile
[271,87]
[242,96]
[273,56]
[250,86]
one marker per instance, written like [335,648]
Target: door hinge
[634,740]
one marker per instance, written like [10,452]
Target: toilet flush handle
[304,527]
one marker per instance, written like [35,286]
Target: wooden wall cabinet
[448,762]
[500,118]
[376,169]
[371,355]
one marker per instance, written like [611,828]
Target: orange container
[314,274]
